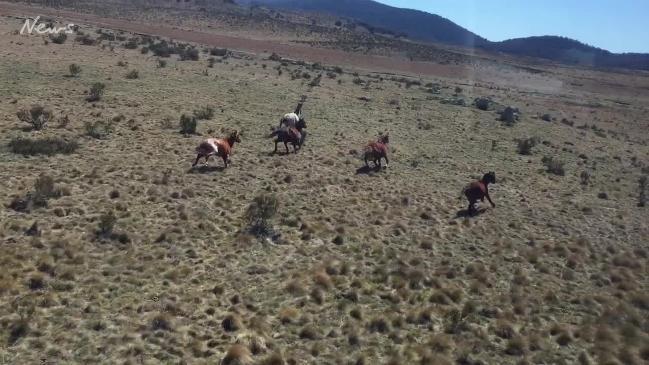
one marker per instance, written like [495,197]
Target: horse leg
[198,157]
[207,159]
[378,163]
[276,142]
[471,207]
[286,145]
[225,160]
[294,147]
[386,161]
[366,164]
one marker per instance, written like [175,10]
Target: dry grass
[147,261]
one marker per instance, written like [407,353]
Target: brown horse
[294,135]
[220,147]
[478,190]
[375,151]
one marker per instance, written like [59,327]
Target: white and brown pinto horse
[221,147]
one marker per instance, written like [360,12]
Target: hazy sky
[615,25]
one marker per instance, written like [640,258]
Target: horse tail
[463,192]
[273,134]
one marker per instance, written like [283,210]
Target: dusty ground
[370,267]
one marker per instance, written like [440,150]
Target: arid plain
[363,266]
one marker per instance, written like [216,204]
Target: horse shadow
[464,213]
[205,169]
[365,170]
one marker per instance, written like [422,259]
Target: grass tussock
[45,146]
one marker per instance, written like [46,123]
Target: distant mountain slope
[417,25]
[422,26]
[570,51]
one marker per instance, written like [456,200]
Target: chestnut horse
[375,151]
[478,190]
[220,147]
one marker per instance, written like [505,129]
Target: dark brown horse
[478,190]
[375,151]
[293,135]
[217,147]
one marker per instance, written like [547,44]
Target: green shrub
[74,69]
[260,213]
[162,63]
[187,124]
[99,129]
[47,146]
[204,113]
[37,116]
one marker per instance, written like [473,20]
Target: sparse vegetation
[260,213]
[525,145]
[58,38]
[74,69]
[357,266]
[220,52]
[554,165]
[45,146]
[204,113]
[642,188]
[99,129]
[96,92]
[187,124]
[37,116]
[133,74]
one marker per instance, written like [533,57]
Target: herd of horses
[292,130]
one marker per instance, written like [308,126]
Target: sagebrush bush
[99,129]
[96,92]
[642,187]
[46,146]
[204,113]
[260,213]
[525,145]
[37,116]
[106,223]
[74,69]
[44,189]
[161,63]
[59,38]
[187,124]
[221,52]
[190,54]
[554,165]
[133,74]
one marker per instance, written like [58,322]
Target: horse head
[235,136]
[384,138]
[489,178]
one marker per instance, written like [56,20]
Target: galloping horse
[478,190]
[375,151]
[220,147]
[293,135]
